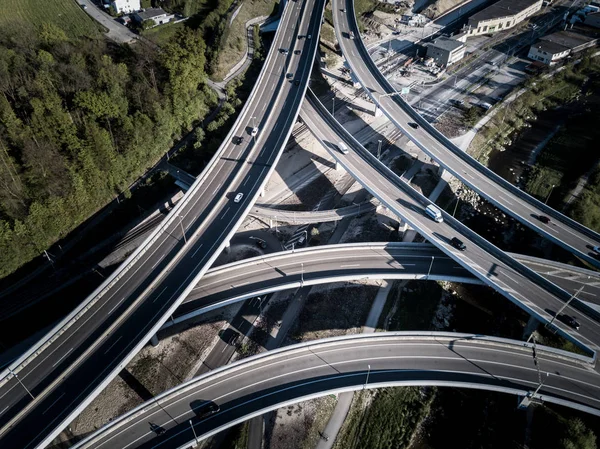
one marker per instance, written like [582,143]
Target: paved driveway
[116,31]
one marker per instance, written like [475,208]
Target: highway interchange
[276,378]
[561,230]
[110,327]
[63,376]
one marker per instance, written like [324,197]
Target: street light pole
[22,384]
[302,274]
[182,230]
[430,265]
[194,431]
[548,197]
[455,206]
[379,149]
[565,305]
[333,105]
[368,372]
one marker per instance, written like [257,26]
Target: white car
[238,198]
[596,249]
[254,131]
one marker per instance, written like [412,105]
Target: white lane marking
[201,245]
[115,306]
[247,179]
[225,213]
[61,359]
[350,265]
[156,263]
[57,399]
[161,292]
[217,188]
[111,346]
[6,408]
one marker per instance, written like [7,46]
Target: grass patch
[163,34]
[235,44]
[327,33]
[66,14]
[388,421]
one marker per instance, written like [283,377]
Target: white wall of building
[503,23]
[126,6]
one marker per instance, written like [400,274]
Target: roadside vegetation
[21,15]
[385,418]
[79,121]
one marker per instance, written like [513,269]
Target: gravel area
[155,370]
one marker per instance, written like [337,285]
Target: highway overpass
[349,262]
[562,230]
[274,379]
[61,374]
[483,260]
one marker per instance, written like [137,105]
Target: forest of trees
[79,121]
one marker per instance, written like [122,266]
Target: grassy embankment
[66,14]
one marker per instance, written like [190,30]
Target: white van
[434,213]
[343,148]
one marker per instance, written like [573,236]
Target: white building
[556,46]
[126,6]
[501,16]
[445,51]
[157,15]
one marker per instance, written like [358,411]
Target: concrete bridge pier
[154,340]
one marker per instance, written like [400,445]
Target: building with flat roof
[502,15]
[556,46]
[156,15]
[445,51]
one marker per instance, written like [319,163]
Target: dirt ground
[298,426]
[155,370]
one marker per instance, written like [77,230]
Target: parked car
[238,197]
[458,244]
[543,219]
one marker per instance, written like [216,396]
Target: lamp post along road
[565,305]
[182,230]
[430,265]
[22,384]
[194,431]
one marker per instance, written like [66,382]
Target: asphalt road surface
[492,266]
[83,358]
[277,378]
[562,230]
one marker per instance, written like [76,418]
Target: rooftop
[150,13]
[550,47]
[446,44]
[503,8]
[567,39]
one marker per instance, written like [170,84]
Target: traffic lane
[246,389]
[66,353]
[482,264]
[255,277]
[56,402]
[528,213]
[331,264]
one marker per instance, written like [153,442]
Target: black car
[297,52]
[413,125]
[569,321]
[543,219]
[239,140]
[289,75]
[458,244]
[297,83]
[204,409]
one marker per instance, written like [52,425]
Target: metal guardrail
[248,364]
[414,115]
[398,183]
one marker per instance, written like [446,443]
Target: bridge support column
[154,340]
[227,246]
[337,165]
[377,111]
[262,192]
